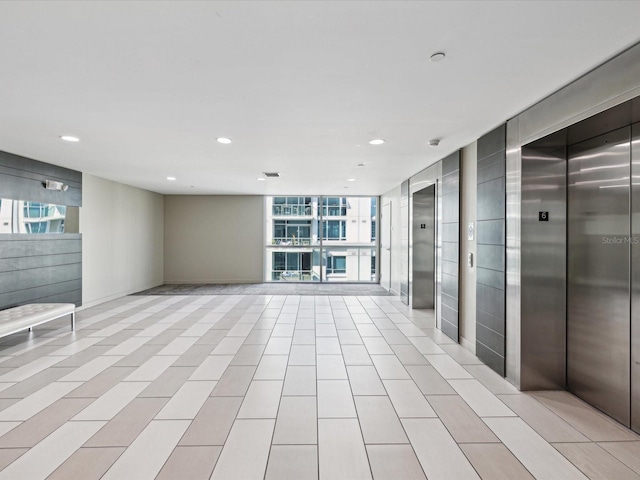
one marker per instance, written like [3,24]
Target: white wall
[214,239]
[468,214]
[393,196]
[122,239]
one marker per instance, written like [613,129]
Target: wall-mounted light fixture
[53,185]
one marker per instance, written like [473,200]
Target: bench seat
[16,319]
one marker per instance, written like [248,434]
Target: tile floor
[281,387]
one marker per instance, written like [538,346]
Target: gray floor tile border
[344,289]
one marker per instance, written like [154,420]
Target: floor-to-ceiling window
[321,239]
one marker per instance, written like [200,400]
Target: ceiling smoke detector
[437,57]
[272,174]
[434,143]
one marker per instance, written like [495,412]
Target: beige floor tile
[429,381]
[87,464]
[328,346]
[407,399]
[304,337]
[377,346]
[151,369]
[278,346]
[101,383]
[537,456]
[139,356]
[409,355]
[548,425]
[123,429]
[448,367]
[426,346]
[49,454]
[30,432]
[178,346]
[167,384]
[379,421]
[461,421]
[154,444]
[461,354]
[109,404]
[356,355]
[257,337]
[302,355]
[495,461]
[36,366]
[335,400]
[248,355]
[293,462]
[9,455]
[341,450]
[438,453]
[627,452]
[283,330]
[389,367]
[234,382]
[190,463]
[213,422]
[331,367]
[194,356]
[34,383]
[128,346]
[481,400]
[587,420]
[297,422]
[36,402]
[394,462]
[91,369]
[187,401]
[212,368]
[367,330]
[300,380]
[240,330]
[364,380]
[246,451]
[490,379]
[595,462]
[326,330]
[349,337]
[272,367]
[228,346]
[262,399]
[395,336]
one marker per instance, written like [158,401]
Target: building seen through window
[323,238]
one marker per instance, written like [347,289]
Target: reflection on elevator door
[598,295]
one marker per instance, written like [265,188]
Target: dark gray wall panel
[404,246]
[450,245]
[491,253]
[39,268]
[22,179]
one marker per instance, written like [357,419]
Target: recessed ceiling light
[223,140]
[360,165]
[69,138]
[171,179]
[434,142]
[376,141]
[437,57]
[351,179]
[261,179]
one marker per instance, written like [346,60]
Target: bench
[17,319]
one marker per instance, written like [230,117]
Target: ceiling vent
[271,174]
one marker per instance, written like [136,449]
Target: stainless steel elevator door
[424,241]
[635,277]
[598,280]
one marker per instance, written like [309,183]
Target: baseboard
[213,282]
[471,346]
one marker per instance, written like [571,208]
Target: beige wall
[213,239]
[468,214]
[122,239]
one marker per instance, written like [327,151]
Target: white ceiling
[300,87]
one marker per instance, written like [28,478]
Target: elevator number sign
[543,216]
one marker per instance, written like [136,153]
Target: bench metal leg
[73,321]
